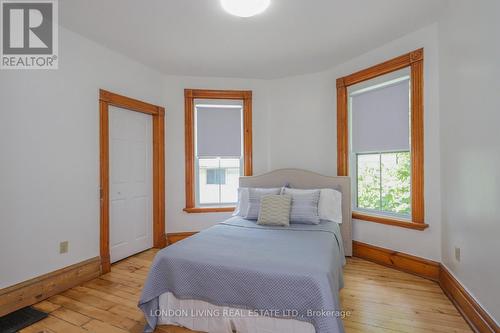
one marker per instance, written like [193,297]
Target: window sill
[209,209]
[403,223]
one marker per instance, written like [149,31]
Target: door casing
[106,99]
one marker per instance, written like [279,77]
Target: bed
[243,277]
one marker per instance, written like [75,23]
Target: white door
[130,172]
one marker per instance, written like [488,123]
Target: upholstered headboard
[304,179]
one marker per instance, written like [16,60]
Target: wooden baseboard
[177,236]
[415,265]
[474,314]
[37,289]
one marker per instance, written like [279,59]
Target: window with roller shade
[380,161]
[218,151]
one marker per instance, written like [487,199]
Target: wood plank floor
[380,300]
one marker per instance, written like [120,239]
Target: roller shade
[380,118]
[218,130]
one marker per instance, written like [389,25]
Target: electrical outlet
[63,247]
[457,253]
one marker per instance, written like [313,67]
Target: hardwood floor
[380,299]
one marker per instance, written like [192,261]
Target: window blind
[380,118]
[218,129]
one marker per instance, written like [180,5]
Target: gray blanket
[293,272]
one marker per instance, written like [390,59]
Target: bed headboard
[304,179]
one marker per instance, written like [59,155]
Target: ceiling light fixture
[245,8]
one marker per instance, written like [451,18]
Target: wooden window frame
[189,96]
[415,61]
[106,99]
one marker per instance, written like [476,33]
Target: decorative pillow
[254,197]
[304,206]
[330,205]
[275,210]
[242,206]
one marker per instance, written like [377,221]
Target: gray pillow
[275,210]
[254,197]
[304,206]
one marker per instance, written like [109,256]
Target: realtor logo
[29,34]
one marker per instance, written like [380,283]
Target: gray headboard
[306,179]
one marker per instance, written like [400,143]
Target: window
[379,122]
[380,140]
[218,148]
[216,176]
[218,151]
[383,183]
[218,181]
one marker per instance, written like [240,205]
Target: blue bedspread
[283,271]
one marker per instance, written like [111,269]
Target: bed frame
[304,179]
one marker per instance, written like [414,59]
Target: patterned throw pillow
[304,206]
[275,210]
[254,196]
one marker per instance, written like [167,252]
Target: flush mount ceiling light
[245,8]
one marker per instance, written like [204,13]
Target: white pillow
[330,205]
[243,198]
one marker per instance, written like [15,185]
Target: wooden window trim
[398,222]
[414,60]
[189,96]
[209,209]
[106,99]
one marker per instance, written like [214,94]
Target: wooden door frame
[106,99]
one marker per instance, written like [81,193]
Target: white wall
[49,176]
[470,146]
[49,147]
[304,108]
[302,117]
[295,127]
[49,168]
[49,143]
[176,219]
[295,131]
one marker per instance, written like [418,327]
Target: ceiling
[197,38]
